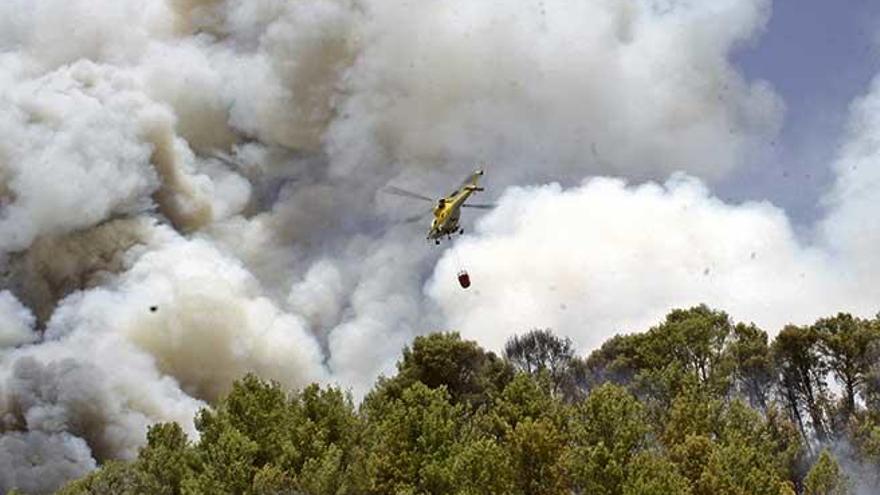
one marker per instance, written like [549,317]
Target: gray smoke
[189,191]
[32,461]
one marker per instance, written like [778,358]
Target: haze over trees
[696,405]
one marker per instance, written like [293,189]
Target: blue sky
[819,55]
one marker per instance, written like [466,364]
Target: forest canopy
[696,405]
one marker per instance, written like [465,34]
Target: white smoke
[607,258]
[850,229]
[16,322]
[72,152]
[203,319]
[178,326]
[546,88]
[188,192]
[49,34]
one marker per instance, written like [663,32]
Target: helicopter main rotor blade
[403,192]
[417,218]
[480,206]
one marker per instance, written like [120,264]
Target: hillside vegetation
[696,405]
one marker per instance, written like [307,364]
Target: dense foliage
[696,405]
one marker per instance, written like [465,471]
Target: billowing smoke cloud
[609,257]
[605,257]
[188,192]
[32,461]
[55,266]
[80,126]
[16,322]
[545,88]
[851,231]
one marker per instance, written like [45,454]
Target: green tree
[164,466]
[693,412]
[525,397]
[408,442]
[468,373]
[540,351]
[272,480]
[323,433]
[681,409]
[802,372]
[694,340]
[258,438]
[741,468]
[848,345]
[608,429]
[257,409]
[113,478]
[727,448]
[825,477]
[693,456]
[787,443]
[687,349]
[753,364]
[480,465]
[536,448]
[531,424]
[618,360]
[652,474]
[167,459]
[226,458]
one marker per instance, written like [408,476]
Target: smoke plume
[189,190]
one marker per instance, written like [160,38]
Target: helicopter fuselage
[447,213]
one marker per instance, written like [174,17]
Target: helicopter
[447,210]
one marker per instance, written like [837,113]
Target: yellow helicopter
[447,211]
